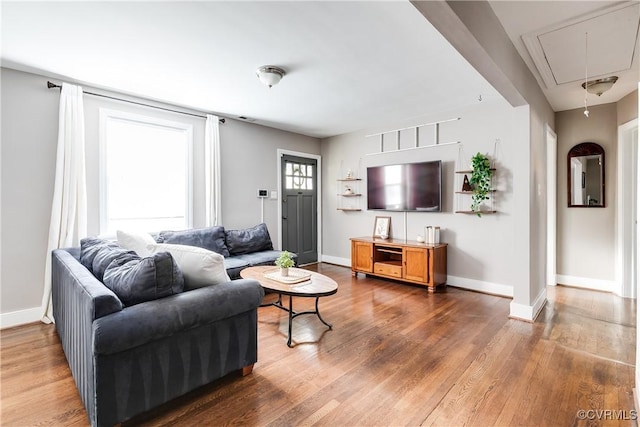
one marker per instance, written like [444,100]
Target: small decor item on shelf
[349,174]
[285,261]
[348,190]
[466,185]
[381,227]
[481,180]
[420,239]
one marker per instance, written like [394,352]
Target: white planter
[284,272]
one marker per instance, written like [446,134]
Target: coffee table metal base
[293,314]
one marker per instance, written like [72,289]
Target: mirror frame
[585,149]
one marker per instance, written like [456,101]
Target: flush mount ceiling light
[270,74]
[599,86]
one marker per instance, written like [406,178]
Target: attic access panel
[559,51]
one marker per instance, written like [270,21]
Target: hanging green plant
[481,181]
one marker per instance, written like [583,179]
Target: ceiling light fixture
[599,86]
[270,74]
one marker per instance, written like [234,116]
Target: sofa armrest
[72,283]
[152,320]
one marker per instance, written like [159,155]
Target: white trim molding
[587,283]
[480,286]
[20,317]
[627,203]
[345,262]
[528,313]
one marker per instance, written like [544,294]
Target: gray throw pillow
[104,256]
[248,240]
[135,280]
[89,248]
[211,238]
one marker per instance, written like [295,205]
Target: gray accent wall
[474,30]
[29,138]
[29,135]
[483,252]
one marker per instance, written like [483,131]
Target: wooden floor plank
[397,355]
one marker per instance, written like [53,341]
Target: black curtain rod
[53,85]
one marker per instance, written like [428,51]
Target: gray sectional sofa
[143,341]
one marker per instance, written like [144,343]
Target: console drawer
[388,269]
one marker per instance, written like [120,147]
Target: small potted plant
[481,181]
[285,261]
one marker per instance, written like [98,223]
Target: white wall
[586,244]
[29,138]
[483,253]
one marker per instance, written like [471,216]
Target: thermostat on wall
[263,194]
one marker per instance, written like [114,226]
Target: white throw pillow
[135,241]
[200,267]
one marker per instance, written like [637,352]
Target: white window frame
[108,114]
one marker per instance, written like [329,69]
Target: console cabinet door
[416,264]
[362,256]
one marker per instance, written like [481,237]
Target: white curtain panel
[69,208]
[213,213]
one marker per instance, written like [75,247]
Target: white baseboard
[587,283]
[528,313]
[21,317]
[345,262]
[458,282]
[480,286]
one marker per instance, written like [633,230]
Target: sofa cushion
[200,267]
[135,241]
[211,238]
[234,266]
[248,240]
[263,258]
[134,279]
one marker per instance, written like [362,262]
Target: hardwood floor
[397,355]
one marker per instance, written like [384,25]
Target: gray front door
[299,207]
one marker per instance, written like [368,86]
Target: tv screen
[405,187]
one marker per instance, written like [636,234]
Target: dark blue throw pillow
[135,280]
[249,240]
[211,238]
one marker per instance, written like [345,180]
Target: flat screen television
[405,187]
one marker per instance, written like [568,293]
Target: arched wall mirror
[585,174]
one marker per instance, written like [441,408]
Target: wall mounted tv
[405,187]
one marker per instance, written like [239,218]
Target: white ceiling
[550,37]
[350,65]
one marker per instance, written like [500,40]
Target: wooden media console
[404,260]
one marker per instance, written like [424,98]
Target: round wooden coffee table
[315,286]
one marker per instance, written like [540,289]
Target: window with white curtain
[145,173]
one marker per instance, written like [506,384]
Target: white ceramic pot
[284,272]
